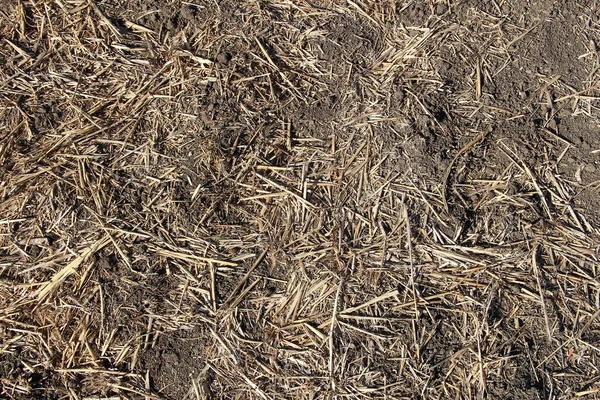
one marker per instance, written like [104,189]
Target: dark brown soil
[423,143]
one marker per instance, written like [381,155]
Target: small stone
[585,145]
[172,23]
[399,95]
[416,12]
[205,118]
[188,13]
[441,8]
[590,168]
[223,58]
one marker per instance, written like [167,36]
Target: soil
[427,142]
[289,80]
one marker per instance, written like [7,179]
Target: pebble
[223,58]
[590,168]
[441,8]
[399,95]
[188,12]
[585,145]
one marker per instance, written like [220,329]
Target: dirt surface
[299,199]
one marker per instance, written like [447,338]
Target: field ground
[299,199]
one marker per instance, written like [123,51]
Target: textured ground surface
[299,199]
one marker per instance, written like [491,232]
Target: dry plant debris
[299,199]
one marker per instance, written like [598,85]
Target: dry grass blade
[59,277]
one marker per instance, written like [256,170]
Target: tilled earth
[299,199]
